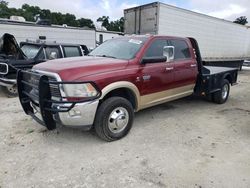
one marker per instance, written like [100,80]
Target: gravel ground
[185,143]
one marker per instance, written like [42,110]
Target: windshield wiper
[106,56]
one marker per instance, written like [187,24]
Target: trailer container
[222,42]
[24,31]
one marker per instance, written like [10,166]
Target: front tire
[221,96]
[114,119]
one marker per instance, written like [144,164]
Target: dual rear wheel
[221,96]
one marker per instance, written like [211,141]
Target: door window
[52,52]
[181,49]
[156,48]
[71,51]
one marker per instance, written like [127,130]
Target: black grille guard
[42,98]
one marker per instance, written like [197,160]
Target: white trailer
[102,36]
[24,31]
[221,42]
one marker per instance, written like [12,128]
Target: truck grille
[40,93]
[3,68]
[31,87]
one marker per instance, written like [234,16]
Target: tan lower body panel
[165,96]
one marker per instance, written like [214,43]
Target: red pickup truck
[120,77]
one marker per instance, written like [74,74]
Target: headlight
[79,90]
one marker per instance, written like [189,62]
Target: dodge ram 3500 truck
[120,77]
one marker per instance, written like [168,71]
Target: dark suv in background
[14,57]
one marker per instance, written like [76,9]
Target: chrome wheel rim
[118,120]
[225,91]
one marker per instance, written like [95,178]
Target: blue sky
[226,9]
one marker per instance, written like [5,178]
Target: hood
[74,68]
[9,48]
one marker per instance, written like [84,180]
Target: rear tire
[10,91]
[221,96]
[114,119]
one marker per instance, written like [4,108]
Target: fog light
[73,113]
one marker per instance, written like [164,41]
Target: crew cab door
[156,77]
[185,65]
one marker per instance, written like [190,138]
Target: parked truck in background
[14,57]
[119,77]
[33,31]
[222,43]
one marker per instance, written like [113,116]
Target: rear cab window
[72,51]
[30,50]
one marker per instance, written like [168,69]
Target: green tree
[4,10]
[116,25]
[4,3]
[45,13]
[83,22]
[241,20]
[104,20]
[69,19]
[30,12]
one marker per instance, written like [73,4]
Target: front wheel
[221,96]
[10,91]
[114,119]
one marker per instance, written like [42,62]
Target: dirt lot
[185,143]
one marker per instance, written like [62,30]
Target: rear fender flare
[228,77]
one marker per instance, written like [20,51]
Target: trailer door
[141,20]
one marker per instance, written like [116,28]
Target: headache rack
[40,93]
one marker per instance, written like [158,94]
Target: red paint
[105,71]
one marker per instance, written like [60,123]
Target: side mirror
[168,52]
[155,59]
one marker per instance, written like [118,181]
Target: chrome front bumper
[81,115]
[48,108]
[7,82]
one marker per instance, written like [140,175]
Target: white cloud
[230,11]
[226,9]
[105,4]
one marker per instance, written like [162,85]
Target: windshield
[121,48]
[30,50]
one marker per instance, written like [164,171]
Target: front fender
[122,84]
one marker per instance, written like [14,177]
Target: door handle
[169,68]
[193,65]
